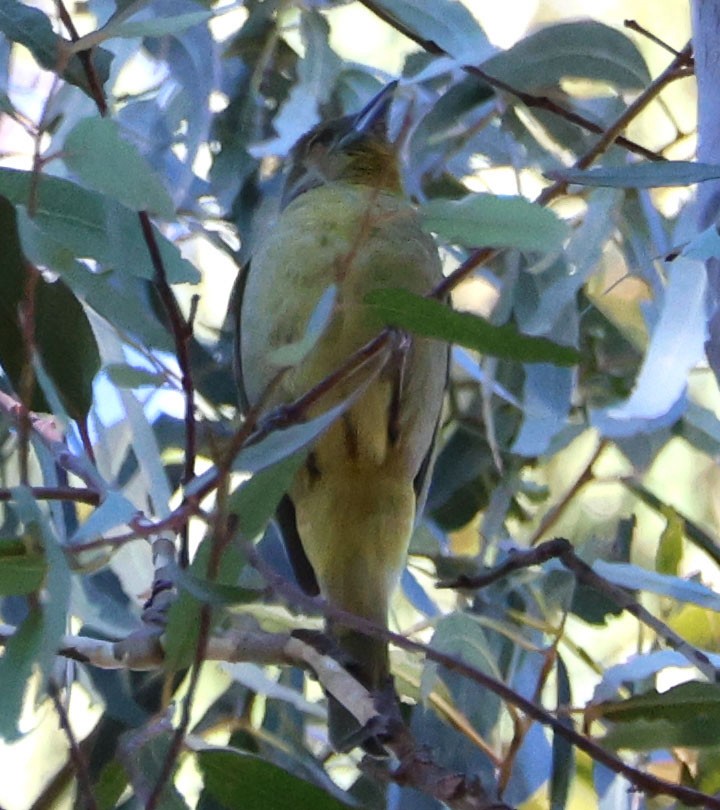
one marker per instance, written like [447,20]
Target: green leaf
[124,376]
[486,220]
[67,345]
[247,782]
[21,570]
[33,647]
[254,501]
[62,333]
[212,593]
[183,625]
[157,26]
[670,548]
[430,318]
[641,175]
[576,50]
[31,28]
[107,163]
[687,714]
[16,668]
[446,23]
[91,226]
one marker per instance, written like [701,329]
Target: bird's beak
[373,116]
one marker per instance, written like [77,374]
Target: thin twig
[529,99]
[640,779]
[634,25]
[179,327]
[80,765]
[483,255]
[554,514]
[562,550]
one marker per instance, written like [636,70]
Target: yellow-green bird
[349,514]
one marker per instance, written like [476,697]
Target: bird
[349,514]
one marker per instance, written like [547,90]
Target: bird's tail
[366,659]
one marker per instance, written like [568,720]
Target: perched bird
[349,514]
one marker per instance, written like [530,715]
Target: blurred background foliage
[617,453]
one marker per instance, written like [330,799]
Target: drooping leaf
[21,569]
[677,344]
[61,331]
[430,318]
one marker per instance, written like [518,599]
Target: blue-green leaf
[486,220]
[107,163]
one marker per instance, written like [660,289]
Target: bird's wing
[421,482]
[236,299]
[285,513]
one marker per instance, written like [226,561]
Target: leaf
[670,548]
[487,220]
[685,714]
[31,28]
[91,226]
[156,26]
[254,501]
[67,346]
[125,376]
[33,647]
[563,758]
[22,571]
[634,577]
[247,782]
[16,668]
[447,24]
[576,50]
[107,163]
[62,333]
[433,319]
[115,510]
[641,175]
[676,346]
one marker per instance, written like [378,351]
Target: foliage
[578,404]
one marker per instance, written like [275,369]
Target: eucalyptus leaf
[157,26]
[641,175]
[576,50]
[433,319]
[245,782]
[22,570]
[631,576]
[92,225]
[95,152]
[31,28]
[488,220]
[446,24]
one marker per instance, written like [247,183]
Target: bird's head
[354,149]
